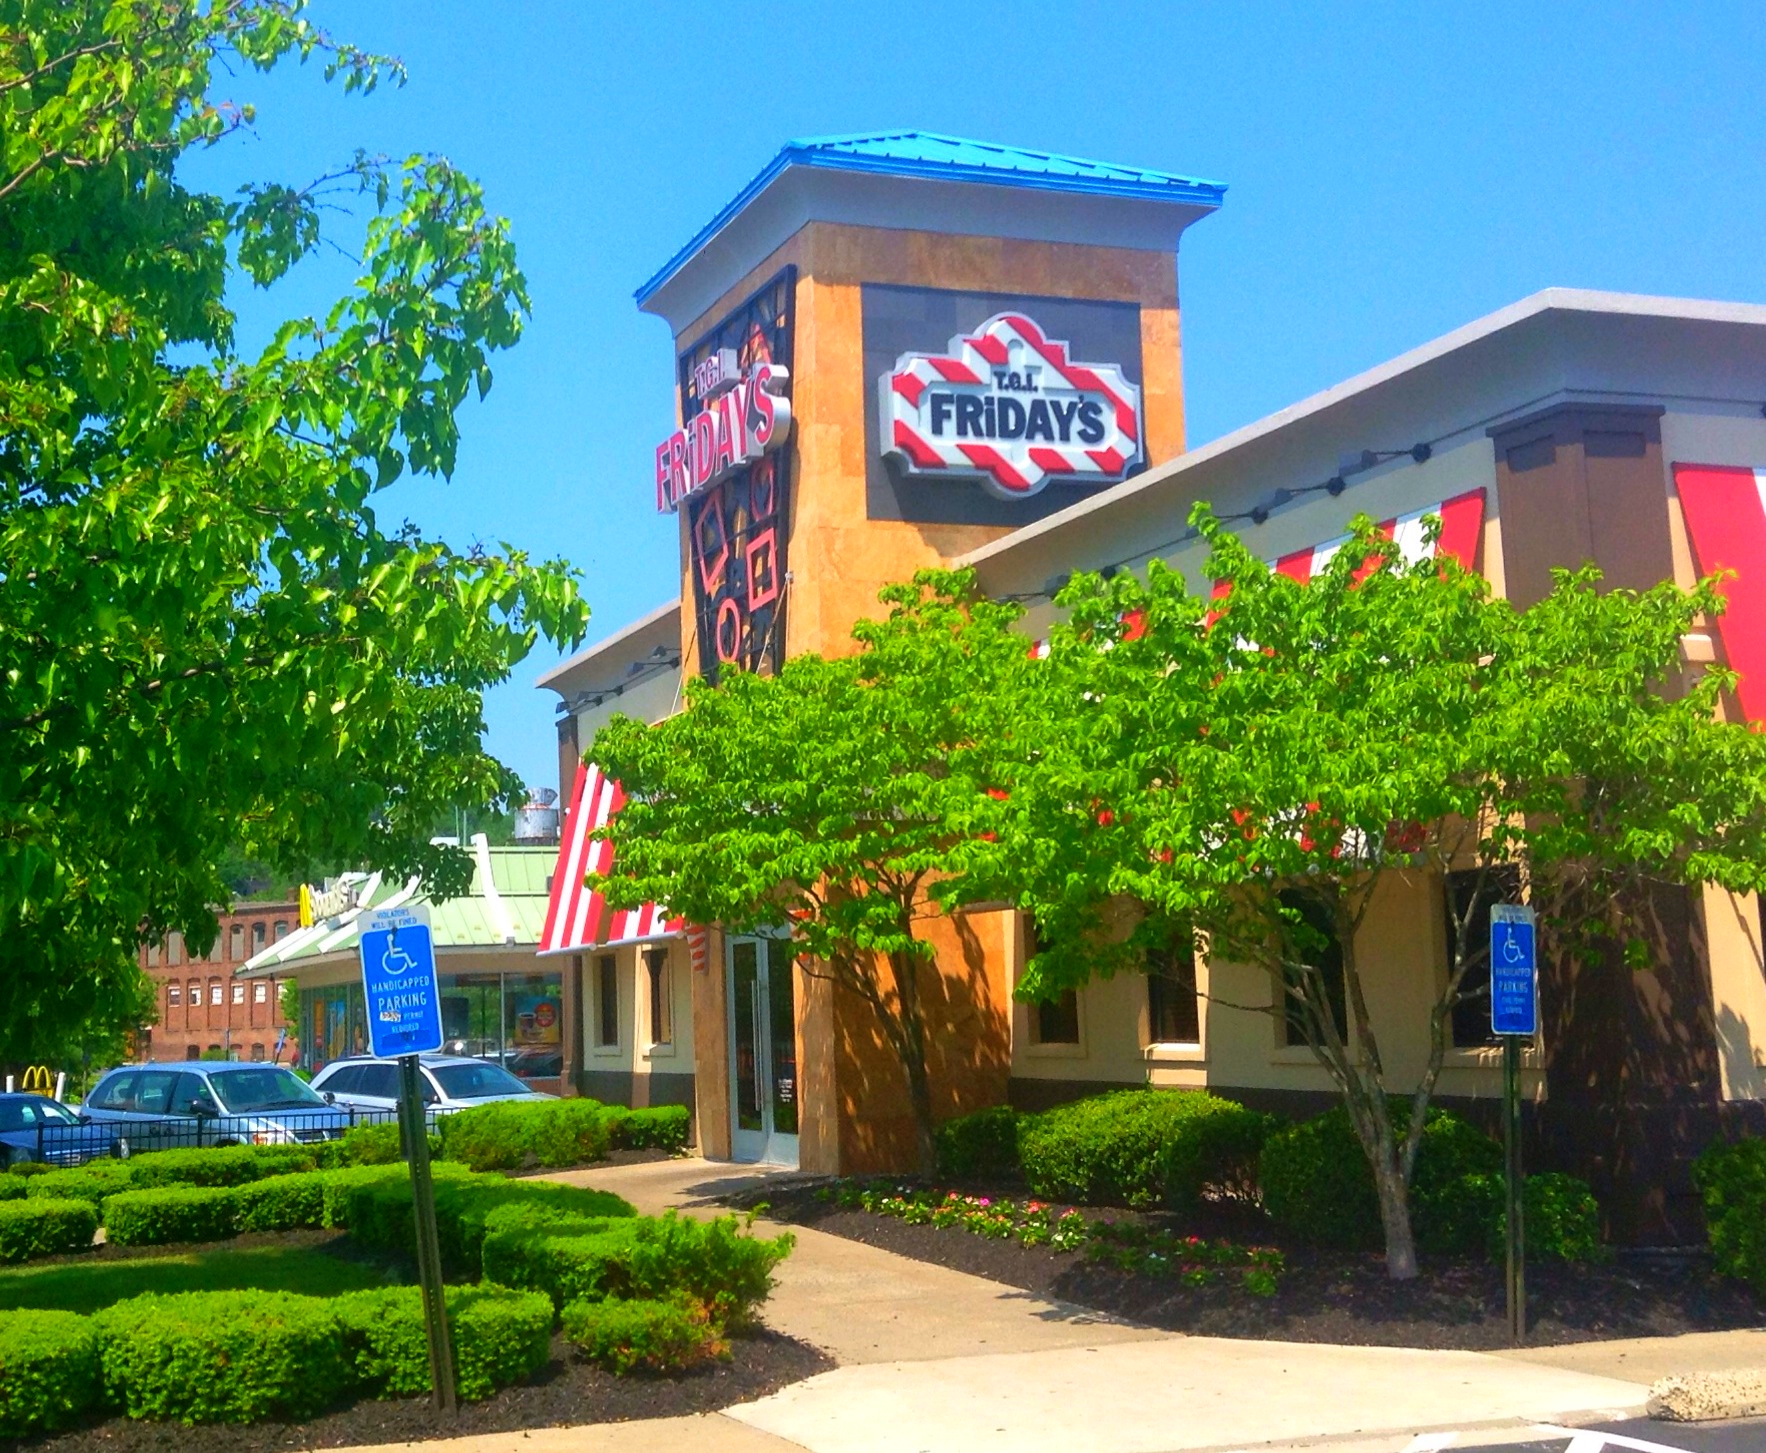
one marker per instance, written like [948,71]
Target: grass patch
[86,1286]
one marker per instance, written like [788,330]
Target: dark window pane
[1172,1013]
[379,1080]
[607,983]
[1314,943]
[345,1081]
[1471,1015]
[1057,1019]
[477,1082]
[656,965]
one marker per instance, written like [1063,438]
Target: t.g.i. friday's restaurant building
[900,350]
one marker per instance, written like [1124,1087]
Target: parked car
[153,1107]
[34,1127]
[447,1082]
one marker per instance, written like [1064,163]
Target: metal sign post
[1514,1015]
[404,1021]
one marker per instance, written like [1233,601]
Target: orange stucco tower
[892,349]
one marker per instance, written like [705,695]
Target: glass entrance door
[763,1050]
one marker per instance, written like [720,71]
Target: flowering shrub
[1124,1245]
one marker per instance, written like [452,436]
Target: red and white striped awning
[577,918]
[1725,511]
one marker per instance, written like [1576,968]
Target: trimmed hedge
[45,1228]
[1731,1178]
[715,1263]
[12,1188]
[1559,1216]
[500,1337]
[378,1211]
[282,1203]
[221,1357]
[29,1168]
[221,1165]
[91,1182]
[1141,1148]
[660,1336]
[49,1373]
[979,1145]
[517,1134]
[657,1127]
[168,1214]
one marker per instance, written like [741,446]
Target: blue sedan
[34,1127]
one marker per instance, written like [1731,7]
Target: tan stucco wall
[635,1054]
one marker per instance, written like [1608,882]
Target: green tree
[1255,766]
[211,641]
[830,798]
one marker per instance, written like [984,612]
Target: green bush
[1731,1179]
[979,1145]
[282,1203]
[218,1165]
[45,1228]
[1560,1218]
[376,1143]
[716,1263]
[378,1212]
[290,1160]
[518,1134]
[221,1357]
[12,1188]
[48,1370]
[661,1336]
[658,1127]
[500,1337]
[29,1168]
[90,1182]
[1450,1214]
[170,1214]
[1141,1148]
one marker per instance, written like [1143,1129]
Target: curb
[1702,1397]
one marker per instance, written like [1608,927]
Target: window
[281,929]
[174,948]
[257,1051]
[260,992]
[153,955]
[239,993]
[1313,943]
[378,1080]
[214,953]
[340,1082]
[257,938]
[1172,1013]
[192,1051]
[476,1082]
[192,1097]
[153,1094]
[174,995]
[214,994]
[194,997]
[116,1093]
[236,941]
[1471,1015]
[1057,1019]
[607,1000]
[661,1021]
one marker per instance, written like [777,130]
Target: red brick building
[203,1008]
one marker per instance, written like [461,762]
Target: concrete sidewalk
[934,1361]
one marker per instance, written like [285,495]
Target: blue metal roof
[928,155]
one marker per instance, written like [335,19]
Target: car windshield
[476,1082]
[56,1113]
[241,1091]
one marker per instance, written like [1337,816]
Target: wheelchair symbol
[394,961]
[1512,952]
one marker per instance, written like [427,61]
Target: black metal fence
[96,1139]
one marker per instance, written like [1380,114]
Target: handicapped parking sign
[399,981]
[1514,970]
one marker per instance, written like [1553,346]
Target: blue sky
[1395,170]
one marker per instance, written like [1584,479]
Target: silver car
[447,1083]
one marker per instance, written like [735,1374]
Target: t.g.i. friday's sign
[745,416]
[1007,406]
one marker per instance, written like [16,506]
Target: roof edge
[606,644]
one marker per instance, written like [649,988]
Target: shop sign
[1008,407]
[743,418]
[317,904]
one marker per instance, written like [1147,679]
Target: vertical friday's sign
[399,981]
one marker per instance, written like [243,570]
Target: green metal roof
[510,915]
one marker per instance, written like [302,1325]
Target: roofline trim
[1547,300]
[589,653]
[1191,192]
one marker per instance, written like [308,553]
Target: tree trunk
[913,1058]
[1394,1198]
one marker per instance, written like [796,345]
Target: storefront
[499,1002]
[901,350]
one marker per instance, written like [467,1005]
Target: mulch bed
[568,1391]
[1324,1296]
